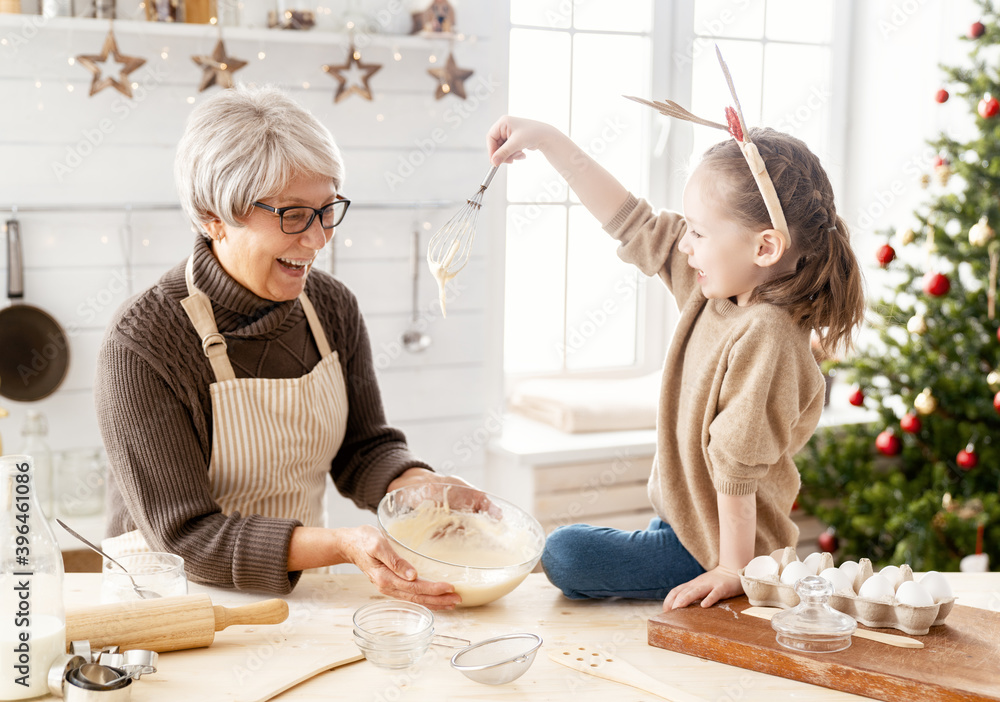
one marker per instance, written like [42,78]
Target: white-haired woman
[228,391]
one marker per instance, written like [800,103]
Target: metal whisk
[449,249]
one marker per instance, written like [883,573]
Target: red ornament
[976,30]
[733,120]
[827,541]
[988,107]
[856,398]
[910,423]
[885,255]
[967,458]
[888,444]
[941,95]
[996,402]
[939,161]
[936,284]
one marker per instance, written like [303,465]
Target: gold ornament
[943,173]
[981,232]
[219,68]
[925,402]
[93,64]
[925,180]
[353,83]
[451,78]
[917,325]
[993,380]
[906,236]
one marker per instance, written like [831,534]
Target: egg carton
[878,614]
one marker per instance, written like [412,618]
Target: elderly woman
[228,391]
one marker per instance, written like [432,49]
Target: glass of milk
[162,573]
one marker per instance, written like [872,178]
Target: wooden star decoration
[94,63]
[356,82]
[218,68]
[451,78]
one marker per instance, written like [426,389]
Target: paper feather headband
[738,129]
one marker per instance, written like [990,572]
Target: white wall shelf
[315,35]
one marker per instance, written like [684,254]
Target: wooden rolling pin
[167,624]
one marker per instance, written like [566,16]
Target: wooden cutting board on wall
[960,661]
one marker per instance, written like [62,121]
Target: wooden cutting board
[957,664]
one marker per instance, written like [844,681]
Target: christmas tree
[922,485]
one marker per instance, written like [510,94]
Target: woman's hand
[717,584]
[471,500]
[368,549]
[510,136]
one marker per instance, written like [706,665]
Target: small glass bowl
[162,573]
[393,634]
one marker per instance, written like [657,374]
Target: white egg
[762,567]
[836,577]
[937,586]
[795,571]
[850,569]
[876,588]
[915,594]
[892,574]
[814,561]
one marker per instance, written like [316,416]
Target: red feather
[734,124]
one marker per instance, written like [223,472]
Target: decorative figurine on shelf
[291,19]
[439,17]
[161,10]
[200,12]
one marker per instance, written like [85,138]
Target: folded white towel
[574,405]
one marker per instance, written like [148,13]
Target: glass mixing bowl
[482,544]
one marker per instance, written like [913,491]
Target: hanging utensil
[34,350]
[449,249]
[414,339]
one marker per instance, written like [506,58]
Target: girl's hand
[717,584]
[510,136]
[368,549]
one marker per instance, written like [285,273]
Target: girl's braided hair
[825,292]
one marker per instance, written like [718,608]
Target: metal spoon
[143,593]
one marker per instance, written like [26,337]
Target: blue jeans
[597,562]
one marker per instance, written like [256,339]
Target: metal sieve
[498,660]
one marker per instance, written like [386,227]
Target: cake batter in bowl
[482,544]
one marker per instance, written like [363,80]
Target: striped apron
[273,439]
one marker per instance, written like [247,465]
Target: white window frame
[671,148]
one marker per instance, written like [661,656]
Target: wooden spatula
[610,667]
[891,639]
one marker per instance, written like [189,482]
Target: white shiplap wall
[403,147]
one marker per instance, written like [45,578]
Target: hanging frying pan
[34,350]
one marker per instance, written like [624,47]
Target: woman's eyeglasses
[298,218]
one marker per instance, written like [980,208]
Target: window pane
[601,300]
[742,19]
[795,20]
[538,94]
[797,94]
[535,283]
[542,13]
[710,95]
[606,125]
[627,16]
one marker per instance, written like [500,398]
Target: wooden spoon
[602,665]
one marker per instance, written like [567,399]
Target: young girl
[741,391]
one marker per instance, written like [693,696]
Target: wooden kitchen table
[322,606]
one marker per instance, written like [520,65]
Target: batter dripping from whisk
[449,249]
